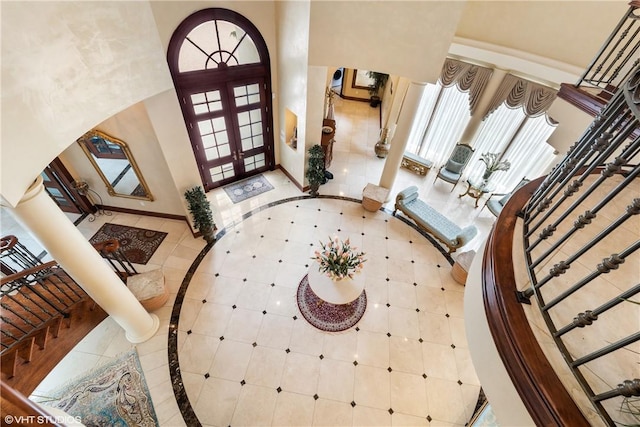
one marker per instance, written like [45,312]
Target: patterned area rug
[115,394]
[138,244]
[242,190]
[325,315]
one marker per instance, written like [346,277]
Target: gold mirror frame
[84,142]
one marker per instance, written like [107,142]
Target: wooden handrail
[107,246]
[23,412]
[28,271]
[537,383]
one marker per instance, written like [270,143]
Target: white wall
[134,127]
[404,38]
[67,66]
[293,46]
[567,31]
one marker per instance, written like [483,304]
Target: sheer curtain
[522,141]
[444,114]
[425,110]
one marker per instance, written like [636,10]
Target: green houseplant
[200,210]
[315,169]
[379,81]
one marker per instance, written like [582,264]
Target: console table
[327,141]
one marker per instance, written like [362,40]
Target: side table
[476,189]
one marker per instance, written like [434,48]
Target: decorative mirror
[115,164]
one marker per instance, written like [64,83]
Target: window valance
[534,98]
[468,77]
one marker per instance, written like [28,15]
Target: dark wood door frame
[62,179]
[223,77]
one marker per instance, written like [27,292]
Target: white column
[474,123]
[38,213]
[400,137]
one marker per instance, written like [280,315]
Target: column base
[142,338]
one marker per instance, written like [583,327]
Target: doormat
[138,244]
[114,394]
[242,190]
[325,315]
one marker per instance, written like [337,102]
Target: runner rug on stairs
[114,394]
[138,244]
[242,190]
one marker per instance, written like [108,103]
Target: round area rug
[325,315]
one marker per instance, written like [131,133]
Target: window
[444,114]
[520,139]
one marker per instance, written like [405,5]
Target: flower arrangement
[492,163]
[491,160]
[338,259]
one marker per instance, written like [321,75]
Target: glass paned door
[228,131]
[58,192]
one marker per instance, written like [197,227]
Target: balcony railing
[617,58]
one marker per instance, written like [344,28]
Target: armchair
[495,205]
[452,170]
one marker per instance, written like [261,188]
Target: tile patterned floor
[406,363]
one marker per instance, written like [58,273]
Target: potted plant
[200,210]
[315,170]
[379,81]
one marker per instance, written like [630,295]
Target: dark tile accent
[420,340]
[390,411]
[189,332]
[355,363]
[447,315]
[242,382]
[389,369]
[295,317]
[417,310]
[234,306]
[429,418]
[206,376]
[255,344]
[321,357]
[389,334]
[353,404]
[287,351]
[221,338]
[388,305]
[278,389]
[204,301]
[264,311]
[316,397]
[424,376]
[453,346]
[357,329]
[459,382]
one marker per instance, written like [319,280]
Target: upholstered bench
[415,163]
[433,221]
[149,288]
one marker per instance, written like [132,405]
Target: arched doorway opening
[220,66]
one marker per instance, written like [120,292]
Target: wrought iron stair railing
[581,251]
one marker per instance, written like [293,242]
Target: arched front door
[220,67]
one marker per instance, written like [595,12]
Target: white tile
[255,406]
[301,373]
[293,410]
[336,380]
